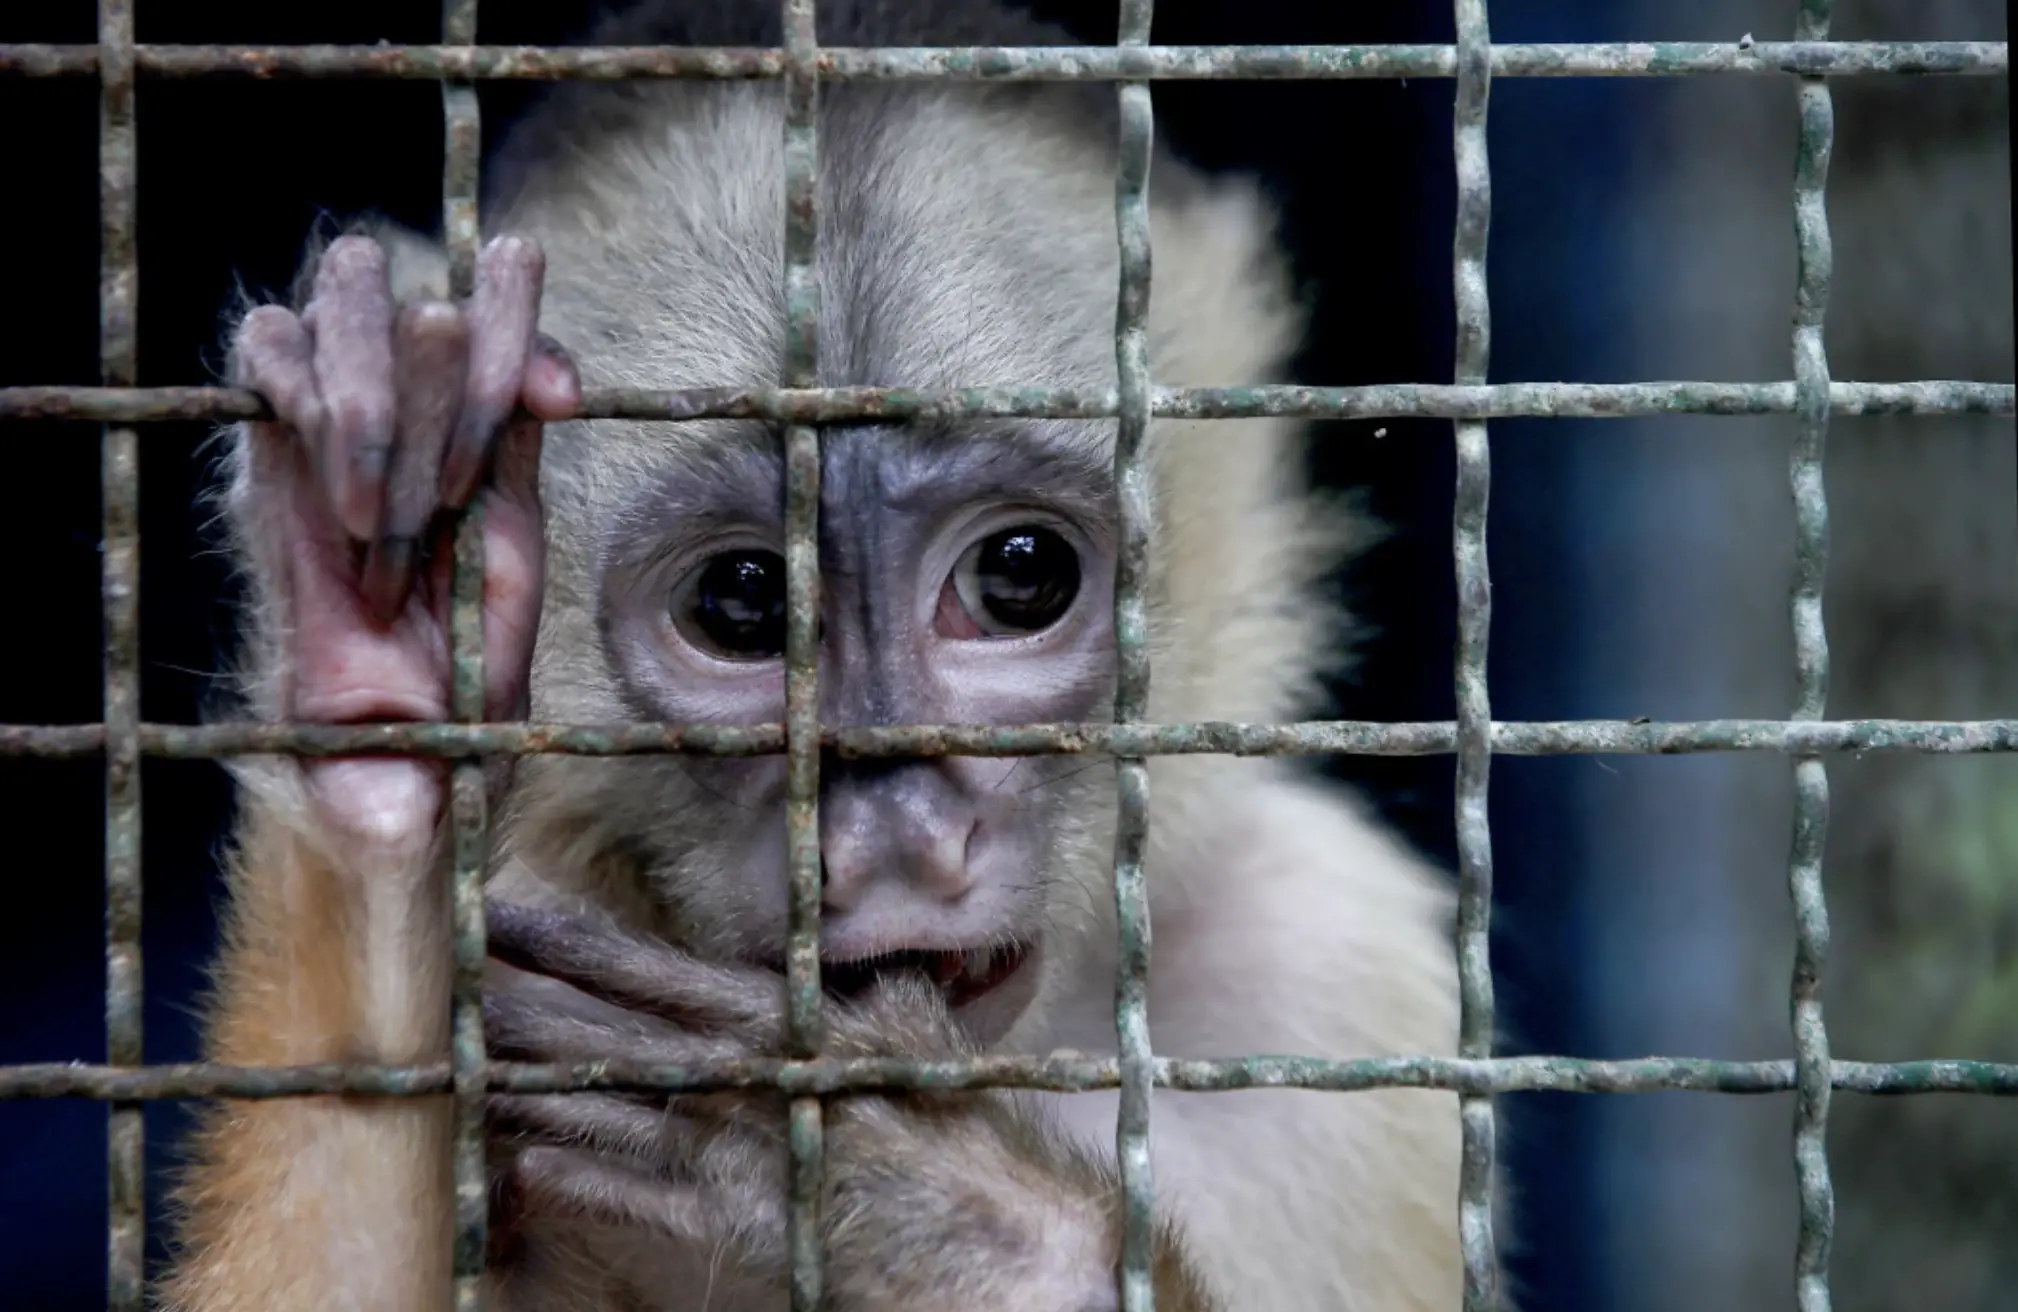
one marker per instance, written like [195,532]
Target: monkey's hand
[389,415]
[931,1200]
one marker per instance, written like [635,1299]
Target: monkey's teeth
[946,968]
[976,965]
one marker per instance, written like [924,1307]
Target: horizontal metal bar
[1312,738]
[1062,1074]
[905,405]
[1028,64]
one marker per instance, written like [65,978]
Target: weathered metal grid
[1474,1074]
[119,474]
[1814,256]
[1131,690]
[469,814]
[806,1130]
[1016,63]
[1474,624]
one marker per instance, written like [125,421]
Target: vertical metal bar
[1811,668]
[1131,694]
[1474,623]
[119,473]
[802,640]
[469,802]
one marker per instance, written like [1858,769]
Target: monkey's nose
[859,860]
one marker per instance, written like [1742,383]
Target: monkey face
[967,571]
[967,578]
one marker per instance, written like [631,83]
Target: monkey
[633,236]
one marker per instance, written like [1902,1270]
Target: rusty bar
[462,126]
[882,405]
[829,1075]
[1049,64]
[806,1134]
[1311,738]
[119,473]
[1815,257]
[1135,508]
[1474,623]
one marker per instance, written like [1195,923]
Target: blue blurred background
[1641,229]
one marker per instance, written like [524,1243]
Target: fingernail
[388,576]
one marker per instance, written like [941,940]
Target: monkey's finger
[609,1124]
[504,310]
[430,362]
[273,354]
[572,1182]
[351,317]
[553,383]
[636,974]
[547,1024]
[515,469]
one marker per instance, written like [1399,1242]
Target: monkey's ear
[1222,313]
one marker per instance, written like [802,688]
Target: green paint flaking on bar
[1815,261]
[883,405]
[118,345]
[1049,64]
[1063,1074]
[468,801]
[1473,729]
[1313,738]
[1135,507]
[805,1137]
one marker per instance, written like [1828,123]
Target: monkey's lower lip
[963,977]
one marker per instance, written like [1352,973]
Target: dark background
[232,173]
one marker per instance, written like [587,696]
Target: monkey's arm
[932,1200]
[304,1202]
[337,937]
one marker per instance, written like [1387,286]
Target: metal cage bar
[1057,1074]
[119,365]
[883,405]
[1312,738]
[469,801]
[806,1132]
[1134,506]
[1046,64]
[1811,669]
[1473,306]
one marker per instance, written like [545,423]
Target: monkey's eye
[735,605]
[1018,581]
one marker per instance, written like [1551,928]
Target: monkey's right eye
[734,606]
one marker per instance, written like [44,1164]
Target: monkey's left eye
[734,606]
[1019,581]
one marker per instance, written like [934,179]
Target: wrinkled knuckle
[308,416]
[359,416]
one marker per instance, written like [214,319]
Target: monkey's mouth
[962,977]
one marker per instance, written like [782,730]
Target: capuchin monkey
[638,906]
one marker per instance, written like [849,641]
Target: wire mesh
[119,366]
[1474,624]
[123,738]
[469,815]
[806,1131]
[1131,693]
[1811,673]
